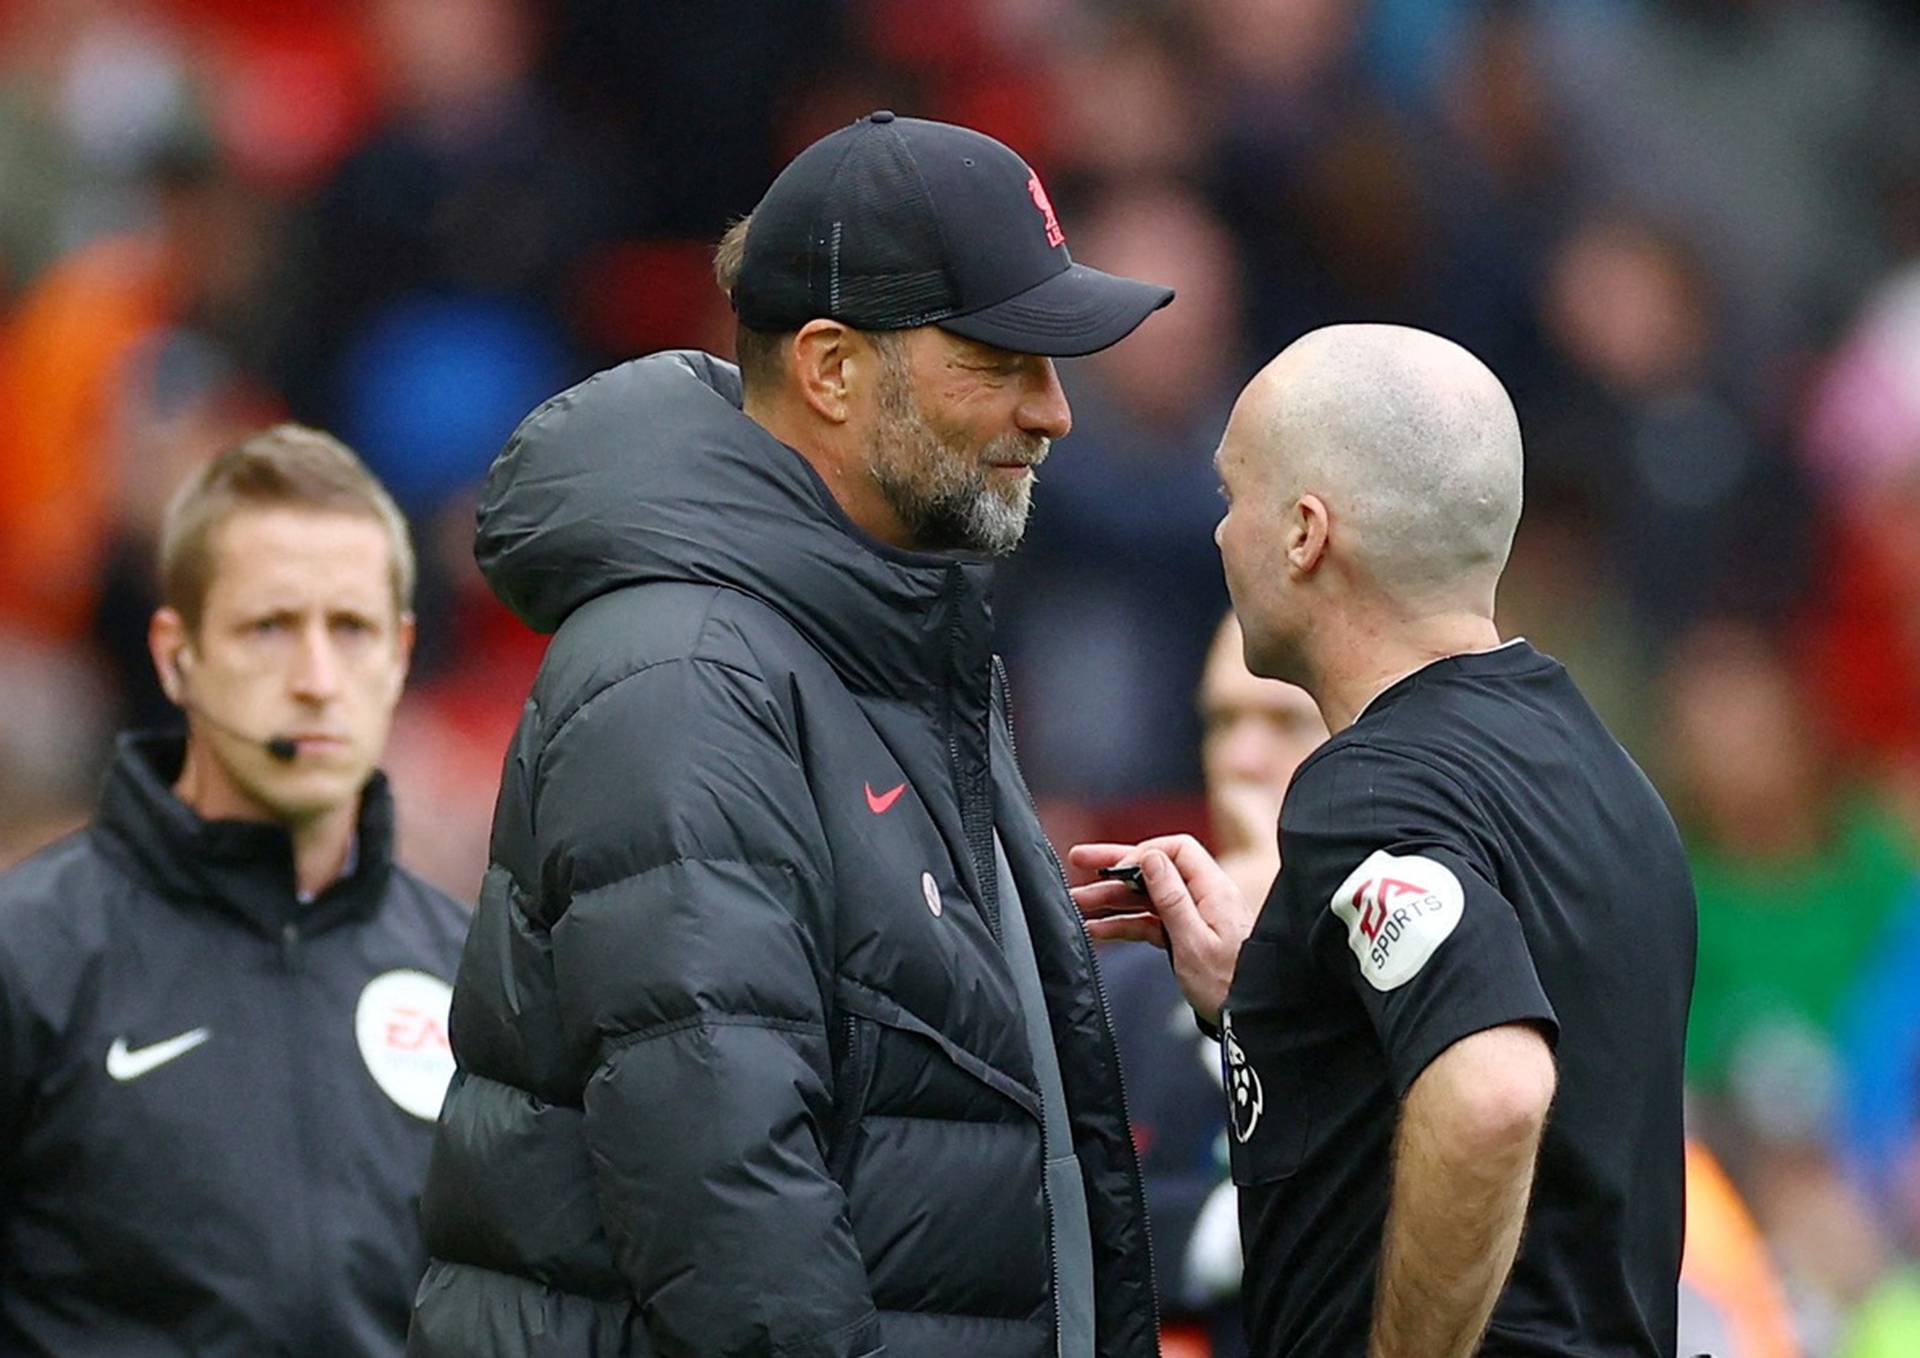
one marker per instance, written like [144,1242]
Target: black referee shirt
[1474,850]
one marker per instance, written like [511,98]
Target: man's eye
[264,626]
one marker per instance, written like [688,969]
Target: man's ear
[167,641]
[1308,526]
[822,350]
[404,636]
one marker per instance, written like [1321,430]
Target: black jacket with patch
[742,1069]
[202,1144]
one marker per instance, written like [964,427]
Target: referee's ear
[1307,531]
[167,640]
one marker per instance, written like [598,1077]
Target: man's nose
[1245,750]
[316,669]
[1044,411]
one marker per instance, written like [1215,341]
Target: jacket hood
[649,471]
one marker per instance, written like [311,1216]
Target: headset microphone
[282,749]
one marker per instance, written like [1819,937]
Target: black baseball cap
[896,222]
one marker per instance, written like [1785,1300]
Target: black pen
[1130,873]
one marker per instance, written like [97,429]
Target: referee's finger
[1129,929]
[1108,898]
[1195,866]
[1093,857]
[1172,902]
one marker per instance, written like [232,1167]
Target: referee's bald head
[1411,441]
[1373,483]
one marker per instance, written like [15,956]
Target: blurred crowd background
[1686,234]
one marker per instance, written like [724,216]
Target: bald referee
[1452,1035]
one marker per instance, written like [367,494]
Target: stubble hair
[944,494]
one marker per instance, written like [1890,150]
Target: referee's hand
[1191,908]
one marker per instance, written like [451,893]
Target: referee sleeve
[1411,914]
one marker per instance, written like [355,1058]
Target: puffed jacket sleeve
[685,878]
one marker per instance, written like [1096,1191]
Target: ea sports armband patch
[1398,911]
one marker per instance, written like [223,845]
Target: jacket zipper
[1053,1244]
[1106,1008]
[840,1154]
[302,1300]
[984,867]
[987,889]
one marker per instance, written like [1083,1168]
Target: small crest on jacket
[401,1026]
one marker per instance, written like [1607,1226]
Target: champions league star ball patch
[401,1026]
[1398,911]
[1246,1101]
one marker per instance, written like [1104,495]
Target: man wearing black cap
[777,1030]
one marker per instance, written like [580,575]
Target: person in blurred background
[779,1032]
[1860,648]
[107,348]
[1800,871]
[1256,733]
[1483,906]
[1798,874]
[1770,126]
[1699,509]
[222,1006]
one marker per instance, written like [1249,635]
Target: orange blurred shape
[1185,1341]
[62,359]
[1726,1263]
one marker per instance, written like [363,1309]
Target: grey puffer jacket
[741,1067]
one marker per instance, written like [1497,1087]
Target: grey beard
[996,521]
[947,499]
[951,506]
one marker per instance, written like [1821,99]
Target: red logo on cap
[1055,236]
